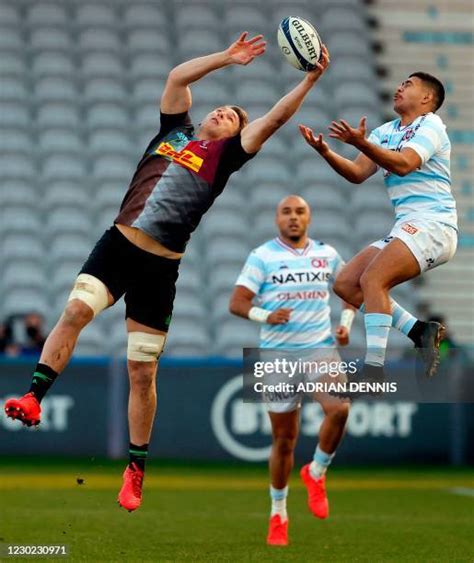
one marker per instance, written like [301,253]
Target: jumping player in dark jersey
[176,182]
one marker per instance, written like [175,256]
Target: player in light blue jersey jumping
[414,153]
[290,276]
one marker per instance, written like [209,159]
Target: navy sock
[43,378]
[416,332]
[138,455]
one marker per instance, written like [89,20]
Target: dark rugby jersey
[177,181]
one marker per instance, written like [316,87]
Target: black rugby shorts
[147,281]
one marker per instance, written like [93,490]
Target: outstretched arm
[355,171]
[176,96]
[257,132]
[400,163]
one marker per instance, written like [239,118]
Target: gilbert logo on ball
[299,42]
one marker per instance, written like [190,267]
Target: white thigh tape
[145,347]
[90,291]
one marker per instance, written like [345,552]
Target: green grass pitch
[220,513]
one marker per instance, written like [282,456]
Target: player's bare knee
[284,444]
[338,413]
[344,287]
[370,281]
[142,374]
[77,314]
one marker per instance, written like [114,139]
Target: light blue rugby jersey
[298,279]
[426,192]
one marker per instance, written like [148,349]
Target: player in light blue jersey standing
[414,153]
[290,276]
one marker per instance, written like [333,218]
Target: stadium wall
[201,416]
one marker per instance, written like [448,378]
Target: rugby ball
[299,42]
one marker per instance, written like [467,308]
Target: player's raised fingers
[305,131]
[325,54]
[305,128]
[259,49]
[345,125]
[255,39]
[313,141]
[243,36]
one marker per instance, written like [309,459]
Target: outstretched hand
[342,131]
[318,143]
[243,52]
[321,65]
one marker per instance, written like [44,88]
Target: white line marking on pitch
[463,491]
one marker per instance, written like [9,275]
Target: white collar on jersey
[295,251]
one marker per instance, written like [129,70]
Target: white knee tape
[145,347]
[91,291]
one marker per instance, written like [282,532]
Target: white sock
[377,327]
[278,497]
[321,461]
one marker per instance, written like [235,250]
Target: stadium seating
[20,219]
[15,166]
[21,193]
[52,63]
[147,41]
[50,38]
[56,114]
[143,16]
[15,140]
[54,89]
[200,17]
[90,342]
[12,64]
[23,274]
[9,15]
[64,141]
[234,335]
[80,84]
[96,39]
[46,15]
[11,39]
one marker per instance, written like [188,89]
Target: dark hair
[435,85]
[243,116]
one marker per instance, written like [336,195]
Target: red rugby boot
[277,531]
[130,495]
[317,499]
[26,409]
